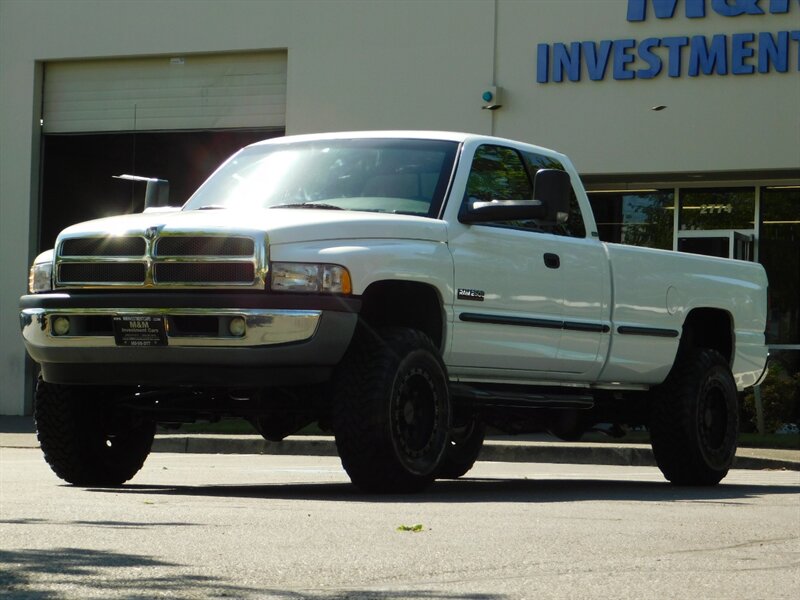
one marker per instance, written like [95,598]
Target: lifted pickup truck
[402,289]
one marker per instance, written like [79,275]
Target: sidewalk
[18,432]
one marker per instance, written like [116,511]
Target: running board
[517,396]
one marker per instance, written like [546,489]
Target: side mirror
[156,193]
[553,189]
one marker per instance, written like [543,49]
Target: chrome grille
[104,246]
[204,246]
[181,260]
[203,272]
[102,273]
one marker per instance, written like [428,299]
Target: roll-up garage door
[221,91]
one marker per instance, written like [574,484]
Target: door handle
[552,261]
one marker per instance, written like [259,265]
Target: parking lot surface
[249,526]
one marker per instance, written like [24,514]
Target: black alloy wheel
[694,421]
[392,411]
[86,439]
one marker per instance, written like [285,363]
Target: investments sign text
[682,55]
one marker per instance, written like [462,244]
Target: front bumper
[288,340]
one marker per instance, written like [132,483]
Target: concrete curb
[18,432]
[493,451]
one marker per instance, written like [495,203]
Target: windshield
[376,175]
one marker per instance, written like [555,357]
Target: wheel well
[709,328]
[405,304]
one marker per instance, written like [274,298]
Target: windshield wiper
[212,207]
[309,205]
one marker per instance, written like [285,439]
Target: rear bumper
[286,340]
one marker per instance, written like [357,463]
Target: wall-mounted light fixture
[491,98]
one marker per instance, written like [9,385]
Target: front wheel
[85,440]
[695,420]
[392,411]
[463,449]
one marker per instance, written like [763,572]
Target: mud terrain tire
[694,420]
[84,440]
[391,413]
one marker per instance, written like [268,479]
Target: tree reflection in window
[635,218]
[779,252]
[499,173]
[717,208]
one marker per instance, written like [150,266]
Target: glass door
[724,243]
[717,222]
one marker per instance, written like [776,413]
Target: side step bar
[514,396]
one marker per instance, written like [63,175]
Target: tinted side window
[498,173]
[574,226]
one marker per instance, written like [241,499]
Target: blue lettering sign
[772,52]
[675,44]
[720,54]
[596,58]
[795,35]
[568,61]
[665,9]
[542,63]
[734,8]
[622,58]
[696,9]
[779,6]
[651,58]
[740,52]
[705,58]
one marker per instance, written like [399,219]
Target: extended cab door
[530,296]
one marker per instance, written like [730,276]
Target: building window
[779,252]
[638,218]
[718,208]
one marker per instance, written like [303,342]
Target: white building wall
[404,64]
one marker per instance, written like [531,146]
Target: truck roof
[398,134]
[451,136]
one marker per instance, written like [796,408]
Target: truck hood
[280,224]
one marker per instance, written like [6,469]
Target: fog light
[60,326]
[237,326]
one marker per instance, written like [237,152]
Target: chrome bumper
[276,339]
[263,327]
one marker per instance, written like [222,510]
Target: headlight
[305,277]
[40,278]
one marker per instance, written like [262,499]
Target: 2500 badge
[466,294]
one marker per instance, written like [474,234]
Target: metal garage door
[221,91]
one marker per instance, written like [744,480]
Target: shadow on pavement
[101,524]
[79,572]
[468,490]
[40,574]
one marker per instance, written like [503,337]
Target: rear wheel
[86,440]
[695,420]
[392,411]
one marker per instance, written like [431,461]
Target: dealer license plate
[140,330]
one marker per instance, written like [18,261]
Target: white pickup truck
[402,289]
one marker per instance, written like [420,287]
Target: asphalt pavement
[200,526]
[19,432]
